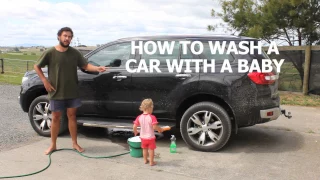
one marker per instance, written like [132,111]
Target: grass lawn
[18,62]
[289,78]
[11,78]
[21,56]
[298,99]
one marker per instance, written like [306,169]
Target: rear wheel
[40,117]
[206,126]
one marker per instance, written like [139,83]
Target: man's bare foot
[152,163]
[50,149]
[78,148]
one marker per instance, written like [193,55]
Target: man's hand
[48,86]
[45,81]
[101,68]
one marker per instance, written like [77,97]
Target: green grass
[20,56]
[294,86]
[18,62]
[289,78]
[15,65]
[11,78]
[287,67]
[289,98]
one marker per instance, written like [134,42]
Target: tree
[273,19]
[288,20]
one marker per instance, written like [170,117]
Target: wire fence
[291,74]
[300,71]
[12,70]
[16,65]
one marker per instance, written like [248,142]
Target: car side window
[162,57]
[219,58]
[107,55]
[188,54]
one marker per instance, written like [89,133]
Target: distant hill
[27,45]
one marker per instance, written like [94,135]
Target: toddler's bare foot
[78,148]
[152,163]
[50,149]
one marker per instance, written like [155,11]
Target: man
[62,83]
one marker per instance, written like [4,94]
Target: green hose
[97,157]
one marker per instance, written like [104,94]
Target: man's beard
[61,43]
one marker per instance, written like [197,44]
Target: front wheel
[206,126]
[40,117]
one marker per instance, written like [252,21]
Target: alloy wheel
[204,128]
[42,116]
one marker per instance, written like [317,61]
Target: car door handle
[119,77]
[183,75]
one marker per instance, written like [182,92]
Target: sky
[101,21]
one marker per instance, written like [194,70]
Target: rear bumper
[271,114]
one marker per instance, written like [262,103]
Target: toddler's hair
[146,104]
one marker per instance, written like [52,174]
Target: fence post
[27,66]
[2,69]
[306,69]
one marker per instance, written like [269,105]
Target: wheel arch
[33,94]
[63,119]
[188,102]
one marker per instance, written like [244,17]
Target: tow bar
[283,111]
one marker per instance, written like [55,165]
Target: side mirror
[115,63]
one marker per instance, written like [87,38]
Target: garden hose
[95,157]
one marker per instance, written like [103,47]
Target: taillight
[263,78]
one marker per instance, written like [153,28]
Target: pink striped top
[146,122]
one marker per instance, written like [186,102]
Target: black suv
[205,107]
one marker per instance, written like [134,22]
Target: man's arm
[46,83]
[83,63]
[90,67]
[40,73]
[43,61]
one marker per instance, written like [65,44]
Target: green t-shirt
[62,71]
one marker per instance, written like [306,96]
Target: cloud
[101,21]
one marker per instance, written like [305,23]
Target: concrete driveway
[282,149]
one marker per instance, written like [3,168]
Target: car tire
[40,117]
[205,126]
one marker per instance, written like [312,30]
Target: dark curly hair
[65,29]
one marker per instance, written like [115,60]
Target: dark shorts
[60,105]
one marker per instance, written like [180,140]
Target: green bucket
[135,146]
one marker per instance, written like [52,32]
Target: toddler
[148,123]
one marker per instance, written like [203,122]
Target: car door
[161,87]
[87,93]
[112,92]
